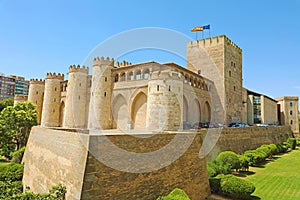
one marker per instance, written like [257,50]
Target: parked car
[238,125]
[186,125]
[199,125]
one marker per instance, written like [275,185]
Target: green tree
[5,103]
[15,125]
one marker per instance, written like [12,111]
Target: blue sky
[48,36]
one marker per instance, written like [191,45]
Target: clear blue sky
[48,36]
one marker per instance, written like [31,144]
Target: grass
[279,178]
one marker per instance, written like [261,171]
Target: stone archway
[120,112]
[195,112]
[206,112]
[139,111]
[185,109]
[61,114]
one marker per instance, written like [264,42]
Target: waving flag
[198,28]
[206,27]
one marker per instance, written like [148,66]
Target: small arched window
[105,94]
[157,88]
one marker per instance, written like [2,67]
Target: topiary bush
[235,187]
[244,162]
[215,184]
[292,142]
[176,194]
[212,169]
[228,157]
[18,155]
[255,157]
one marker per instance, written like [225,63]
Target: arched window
[131,78]
[117,78]
[138,75]
[146,74]
[122,77]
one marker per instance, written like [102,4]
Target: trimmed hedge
[229,157]
[292,142]
[176,194]
[235,187]
[215,184]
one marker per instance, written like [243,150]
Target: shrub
[176,194]
[292,142]
[255,157]
[236,188]
[212,169]
[244,162]
[18,155]
[228,157]
[266,150]
[274,149]
[12,172]
[215,184]
[285,146]
[298,142]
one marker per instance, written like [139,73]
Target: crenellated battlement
[166,74]
[213,41]
[123,64]
[55,76]
[102,61]
[78,68]
[36,81]
[20,97]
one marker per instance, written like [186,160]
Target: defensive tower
[164,103]
[36,95]
[76,99]
[100,116]
[220,60]
[52,97]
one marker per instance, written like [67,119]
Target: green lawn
[279,178]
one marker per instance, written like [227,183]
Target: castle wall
[58,156]
[52,101]
[36,96]
[188,172]
[240,139]
[53,157]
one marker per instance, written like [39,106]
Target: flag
[206,27]
[198,28]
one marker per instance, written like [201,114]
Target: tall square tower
[220,60]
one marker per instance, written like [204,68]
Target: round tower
[36,95]
[51,106]
[20,98]
[76,99]
[165,101]
[100,101]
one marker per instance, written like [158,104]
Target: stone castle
[151,95]
[146,96]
